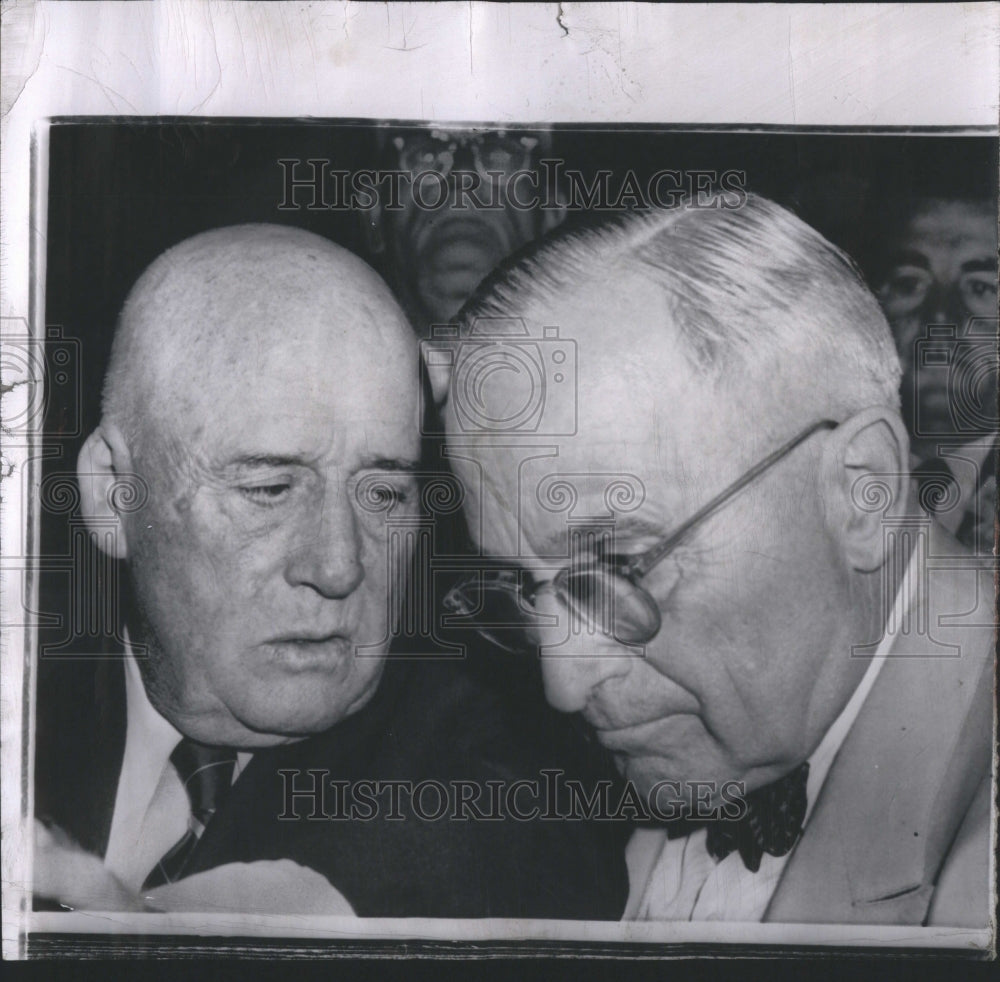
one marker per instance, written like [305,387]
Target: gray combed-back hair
[758,298]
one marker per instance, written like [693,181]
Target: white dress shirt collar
[152,809]
[149,741]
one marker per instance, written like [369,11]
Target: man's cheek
[385,577]
[233,522]
[386,543]
[244,558]
[906,331]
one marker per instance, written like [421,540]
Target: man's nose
[328,557]
[572,674]
[944,305]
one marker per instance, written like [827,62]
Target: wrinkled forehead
[628,431]
[294,376]
[296,422]
[524,501]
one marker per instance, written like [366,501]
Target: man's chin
[672,783]
[644,773]
[255,731]
[273,721]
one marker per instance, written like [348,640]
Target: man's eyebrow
[390,464]
[636,525]
[250,461]
[980,265]
[909,257]
[625,525]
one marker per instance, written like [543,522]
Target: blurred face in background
[470,200]
[942,270]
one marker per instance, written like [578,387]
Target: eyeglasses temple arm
[643,564]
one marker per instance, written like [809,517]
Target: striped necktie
[207,775]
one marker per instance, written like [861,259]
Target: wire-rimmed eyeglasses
[607,593]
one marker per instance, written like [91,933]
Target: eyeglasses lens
[601,602]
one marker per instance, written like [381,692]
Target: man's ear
[103,460]
[865,476]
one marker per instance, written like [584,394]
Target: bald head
[209,313]
[263,388]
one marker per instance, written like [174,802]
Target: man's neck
[887,594]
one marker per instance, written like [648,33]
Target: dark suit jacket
[429,720]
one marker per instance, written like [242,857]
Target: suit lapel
[907,770]
[246,828]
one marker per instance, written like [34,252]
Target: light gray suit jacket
[900,833]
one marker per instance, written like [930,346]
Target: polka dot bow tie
[772,822]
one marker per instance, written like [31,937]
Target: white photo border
[808,67]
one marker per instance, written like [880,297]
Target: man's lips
[489,234]
[635,739]
[308,637]
[459,256]
[311,651]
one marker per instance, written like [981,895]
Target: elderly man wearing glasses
[680,439]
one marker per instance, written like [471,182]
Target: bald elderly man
[254,750]
[690,468]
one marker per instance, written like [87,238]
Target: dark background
[120,193]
